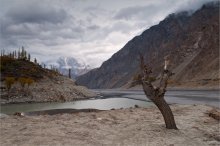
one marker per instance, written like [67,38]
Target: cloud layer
[89,30]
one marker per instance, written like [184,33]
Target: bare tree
[156,94]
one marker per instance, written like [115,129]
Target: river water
[109,99]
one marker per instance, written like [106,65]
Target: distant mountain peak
[64,63]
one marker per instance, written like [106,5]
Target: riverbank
[173,88]
[134,126]
[56,89]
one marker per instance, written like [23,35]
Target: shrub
[22,81]
[29,81]
[9,81]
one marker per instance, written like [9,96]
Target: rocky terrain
[190,39]
[58,89]
[124,127]
[45,86]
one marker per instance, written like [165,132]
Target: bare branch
[165,76]
[147,86]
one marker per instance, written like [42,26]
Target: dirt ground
[134,126]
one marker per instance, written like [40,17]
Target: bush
[9,81]
[29,81]
[22,81]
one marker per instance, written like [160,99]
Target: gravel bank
[136,126]
[54,89]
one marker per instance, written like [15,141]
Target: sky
[89,30]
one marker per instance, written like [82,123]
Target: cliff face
[192,41]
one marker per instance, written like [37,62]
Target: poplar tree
[29,57]
[35,60]
[15,54]
[19,54]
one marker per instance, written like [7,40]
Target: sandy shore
[136,126]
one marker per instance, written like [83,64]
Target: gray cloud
[36,14]
[89,30]
[131,12]
[153,11]
[93,27]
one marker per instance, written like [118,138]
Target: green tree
[22,53]
[25,55]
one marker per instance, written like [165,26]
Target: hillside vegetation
[26,81]
[17,68]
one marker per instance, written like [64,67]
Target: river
[109,99]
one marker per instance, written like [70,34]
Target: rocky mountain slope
[191,40]
[29,82]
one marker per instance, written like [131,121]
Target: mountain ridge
[182,36]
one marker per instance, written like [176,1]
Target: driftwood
[156,94]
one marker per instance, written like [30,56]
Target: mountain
[191,40]
[77,68]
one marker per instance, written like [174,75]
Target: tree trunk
[166,112]
[162,105]
[156,94]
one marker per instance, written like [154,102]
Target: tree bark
[166,112]
[156,94]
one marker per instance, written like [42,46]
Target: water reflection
[102,104]
[116,99]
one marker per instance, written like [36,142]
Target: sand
[136,126]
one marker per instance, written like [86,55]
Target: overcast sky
[89,30]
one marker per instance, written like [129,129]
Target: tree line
[22,54]
[18,54]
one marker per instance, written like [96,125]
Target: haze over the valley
[88,30]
